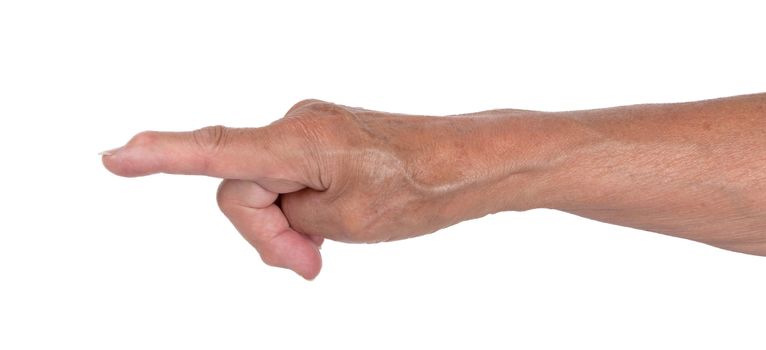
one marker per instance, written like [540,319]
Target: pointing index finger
[246,153]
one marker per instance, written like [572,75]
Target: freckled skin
[693,170]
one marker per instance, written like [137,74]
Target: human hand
[326,170]
[355,175]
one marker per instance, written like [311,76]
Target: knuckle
[221,196]
[144,138]
[311,141]
[269,257]
[303,103]
[319,123]
[210,139]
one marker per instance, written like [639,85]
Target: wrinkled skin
[693,170]
[325,171]
[372,177]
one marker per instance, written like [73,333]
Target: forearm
[694,170]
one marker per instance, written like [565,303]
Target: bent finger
[251,210]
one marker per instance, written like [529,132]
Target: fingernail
[110,152]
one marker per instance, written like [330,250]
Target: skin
[693,170]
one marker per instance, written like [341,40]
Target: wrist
[522,157]
[468,166]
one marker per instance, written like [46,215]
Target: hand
[324,170]
[355,175]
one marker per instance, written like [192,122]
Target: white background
[92,261]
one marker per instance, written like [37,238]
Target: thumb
[218,151]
